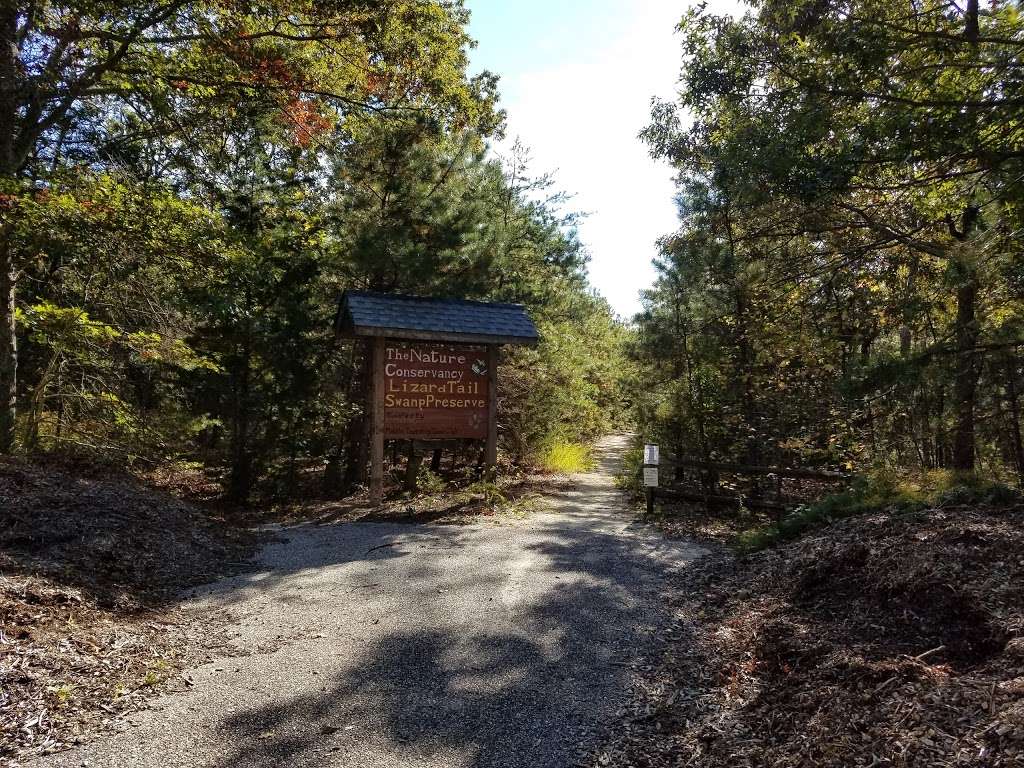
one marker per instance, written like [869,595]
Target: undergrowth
[882,491]
[629,478]
[429,482]
[567,458]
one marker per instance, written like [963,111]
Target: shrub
[492,494]
[428,482]
[882,490]
[567,457]
[629,478]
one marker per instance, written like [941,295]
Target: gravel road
[366,644]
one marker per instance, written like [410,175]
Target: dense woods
[846,285]
[188,187]
[844,296]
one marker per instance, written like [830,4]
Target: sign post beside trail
[650,475]
[651,455]
[433,369]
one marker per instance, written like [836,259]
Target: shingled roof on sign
[364,313]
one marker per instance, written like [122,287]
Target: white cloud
[580,109]
[581,118]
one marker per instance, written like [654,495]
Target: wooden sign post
[377,423]
[434,369]
[491,447]
[650,475]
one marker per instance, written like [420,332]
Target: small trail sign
[650,454]
[650,474]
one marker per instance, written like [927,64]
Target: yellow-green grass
[566,458]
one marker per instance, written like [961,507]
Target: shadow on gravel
[533,696]
[281,571]
[423,702]
[580,530]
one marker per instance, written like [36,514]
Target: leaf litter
[883,640]
[90,626]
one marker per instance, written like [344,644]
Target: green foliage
[631,476]
[151,679]
[844,289]
[572,387]
[186,215]
[105,323]
[63,693]
[492,494]
[567,458]
[430,483]
[883,491]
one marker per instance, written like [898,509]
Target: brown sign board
[435,391]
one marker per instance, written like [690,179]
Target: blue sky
[577,78]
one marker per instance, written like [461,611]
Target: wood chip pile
[88,570]
[883,640]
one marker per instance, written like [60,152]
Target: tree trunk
[966,377]
[745,357]
[333,475]
[965,384]
[357,436]
[678,445]
[8,352]
[332,472]
[971,26]
[745,362]
[709,478]
[240,481]
[1014,401]
[8,268]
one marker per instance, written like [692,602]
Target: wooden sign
[434,369]
[435,391]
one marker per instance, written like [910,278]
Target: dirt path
[372,645]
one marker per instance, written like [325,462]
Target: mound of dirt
[89,568]
[882,640]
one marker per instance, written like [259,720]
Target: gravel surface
[504,643]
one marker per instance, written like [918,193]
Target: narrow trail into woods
[497,644]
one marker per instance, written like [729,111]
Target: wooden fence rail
[749,469]
[719,498]
[711,494]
